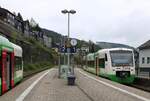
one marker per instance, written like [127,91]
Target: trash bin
[71,79]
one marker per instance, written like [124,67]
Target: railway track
[142,83]
[139,84]
[147,89]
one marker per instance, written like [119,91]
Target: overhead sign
[62,49]
[68,49]
[73,49]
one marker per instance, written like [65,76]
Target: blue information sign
[73,49]
[68,50]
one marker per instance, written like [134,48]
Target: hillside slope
[105,45]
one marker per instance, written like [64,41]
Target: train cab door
[6,71]
[97,65]
[106,69]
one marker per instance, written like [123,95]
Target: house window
[143,60]
[148,60]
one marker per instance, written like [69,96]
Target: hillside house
[26,28]
[17,22]
[11,19]
[7,16]
[47,41]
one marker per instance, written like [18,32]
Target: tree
[37,27]
[91,46]
[20,17]
[33,23]
[34,26]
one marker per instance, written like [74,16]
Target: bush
[37,66]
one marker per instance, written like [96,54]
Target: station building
[144,57]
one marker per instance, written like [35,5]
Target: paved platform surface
[101,92]
[49,88]
[11,95]
[88,88]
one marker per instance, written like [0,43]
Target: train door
[7,71]
[102,65]
[97,66]
[106,64]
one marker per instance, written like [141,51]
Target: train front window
[121,58]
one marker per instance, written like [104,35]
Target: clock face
[73,42]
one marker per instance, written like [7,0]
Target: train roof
[114,49]
[17,50]
[5,42]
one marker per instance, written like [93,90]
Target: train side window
[18,63]
[102,63]
[106,57]
[0,66]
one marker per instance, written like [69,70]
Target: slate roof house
[11,19]
[144,57]
[47,41]
[18,23]
[7,16]
[26,28]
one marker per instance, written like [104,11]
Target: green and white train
[117,64]
[11,64]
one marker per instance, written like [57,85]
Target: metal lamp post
[68,12]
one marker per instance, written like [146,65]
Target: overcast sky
[119,21]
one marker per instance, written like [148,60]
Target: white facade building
[144,57]
[47,41]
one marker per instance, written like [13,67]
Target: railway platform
[46,86]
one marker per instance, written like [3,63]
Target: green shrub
[37,66]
